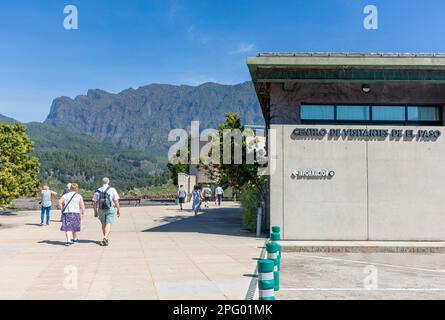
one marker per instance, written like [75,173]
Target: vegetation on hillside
[73,157]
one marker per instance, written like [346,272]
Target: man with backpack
[106,205]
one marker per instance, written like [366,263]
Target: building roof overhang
[366,68]
[351,67]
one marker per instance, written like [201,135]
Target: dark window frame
[405,122]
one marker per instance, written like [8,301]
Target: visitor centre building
[356,144]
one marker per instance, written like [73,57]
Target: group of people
[199,195]
[105,204]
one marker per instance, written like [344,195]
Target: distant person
[182,195]
[219,195]
[67,189]
[207,193]
[73,210]
[106,205]
[196,199]
[46,204]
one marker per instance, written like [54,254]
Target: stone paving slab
[156,252]
[362,276]
[364,246]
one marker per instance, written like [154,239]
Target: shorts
[181,200]
[107,216]
[208,198]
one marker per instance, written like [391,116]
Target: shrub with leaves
[250,199]
[18,170]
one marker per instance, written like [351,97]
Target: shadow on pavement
[8,214]
[62,243]
[54,243]
[224,221]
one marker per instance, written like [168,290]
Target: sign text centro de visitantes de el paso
[367,133]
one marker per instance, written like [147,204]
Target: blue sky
[131,43]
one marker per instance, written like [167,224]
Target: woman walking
[196,199]
[73,209]
[46,204]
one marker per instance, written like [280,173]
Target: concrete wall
[383,189]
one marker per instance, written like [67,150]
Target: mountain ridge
[7,120]
[141,118]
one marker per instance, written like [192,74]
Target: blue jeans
[45,211]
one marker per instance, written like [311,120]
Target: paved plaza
[156,252]
[325,276]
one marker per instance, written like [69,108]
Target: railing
[137,201]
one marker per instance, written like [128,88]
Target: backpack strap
[66,206]
[104,192]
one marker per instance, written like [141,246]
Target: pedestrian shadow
[8,214]
[89,242]
[62,243]
[33,224]
[54,243]
[222,221]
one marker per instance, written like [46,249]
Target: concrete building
[359,142]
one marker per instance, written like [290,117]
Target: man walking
[106,205]
[219,195]
[182,194]
[207,192]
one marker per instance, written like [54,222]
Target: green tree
[18,170]
[237,175]
[177,168]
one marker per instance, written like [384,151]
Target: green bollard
[272,254]
[276,275]
[266,281]
[275,238]
[276,229]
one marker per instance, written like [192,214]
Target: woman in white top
[73,209]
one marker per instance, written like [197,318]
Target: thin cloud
[194,35]
[244,48]
[173,10]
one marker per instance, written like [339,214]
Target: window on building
[423,113]
[353,113]
[365,114]
[388,113]
[313,112]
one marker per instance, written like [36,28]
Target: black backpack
[105,202]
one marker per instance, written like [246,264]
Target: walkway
[155,252]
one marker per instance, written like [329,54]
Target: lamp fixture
[366,88]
